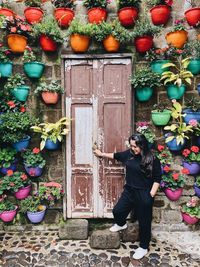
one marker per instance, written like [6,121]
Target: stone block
[104,239]
[171,216]
[52,216]
[75,229]
[131,234]
[156,215]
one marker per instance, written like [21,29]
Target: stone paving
[45,249]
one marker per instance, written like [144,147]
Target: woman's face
[134,147]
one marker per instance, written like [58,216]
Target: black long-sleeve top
[135,177]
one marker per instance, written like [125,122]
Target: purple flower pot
[8,216]
[33,171]
[23,192]
[173,195]
[188,219]
[12,167]
[197,190]
[193,167]
[36,217]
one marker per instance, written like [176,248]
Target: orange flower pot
[64,16]
[33,14]
[127,16]
[177,38]
[6,12]
[97,15]
[198,36]
[50,97]
[193,16]
[47,44]
[17,43]
[79,43]
[110,44]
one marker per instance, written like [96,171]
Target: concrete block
[75,229]
[171,216]
[104,239]
[131,234]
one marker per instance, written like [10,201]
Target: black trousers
[142,202]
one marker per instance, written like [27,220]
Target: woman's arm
[154,189]
[98,153]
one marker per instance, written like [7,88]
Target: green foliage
[63,3]
[193,103]
[6,205]
[179,25]
[152,3]
[95,3]
[157,54]
[8,104]
[192,154]
[145,128]
[53,86]
[197,182]
[173,180]
[28,55]
[33,158]
[192,49]
[7,156]
[14,81]
[192,208]
[145,77]
[33,3]
[4,53]
[128,3]
[31,203]
[50,192]
[164,155]
[160,107]
[78,27]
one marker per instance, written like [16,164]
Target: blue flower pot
[34,69]
[22,144]
[21,93]
[172,145]
[6,69]
[191,115]
[33,171]
[12,167]
[36,217]
[50,145]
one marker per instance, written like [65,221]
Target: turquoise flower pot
[34,69]
[6,69]
[194,66]
[161,118]
[156,66]
[21,93]
[144,94]
[175,92]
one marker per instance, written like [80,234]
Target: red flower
[22,109]
[13,29]
[12,184]
[195,149]
[11,104]
[9,173]
[175,176]
[185,171]
[160,148]
[24,176]
[166,168]
[36,150]
[186,152]
[163,155]
[169,2]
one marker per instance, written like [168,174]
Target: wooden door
[98,99]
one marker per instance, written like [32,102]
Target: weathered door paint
[98,99]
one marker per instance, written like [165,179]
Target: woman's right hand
[98,153]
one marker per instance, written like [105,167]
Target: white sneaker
[139,253]
[116,227]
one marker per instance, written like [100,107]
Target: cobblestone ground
[36,249]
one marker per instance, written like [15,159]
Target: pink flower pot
[23,192]
[173,195]
[188,219]
[8,216]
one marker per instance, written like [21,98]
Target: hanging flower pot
[8,216]
[177,38]
[13,167]
[173,195]
[47,44]
[161,118]
[193,167]
[17,43]
[22,144]
[79,43]
[50,97]
[160,14]
[6,69]
[33,14]
[127,16]
[189,219]
[64,16]
[33,171]
[157,65]
[111,44]
[194,66]
[143,43]
[34,69]
[197,190]
[97,15]
[21,93]
[6,12]
[50,145]
[36,217]
[193,16]
[191,115]
[144,94]
[172,145]
[23,192]
[175,92]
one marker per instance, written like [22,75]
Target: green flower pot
[5,69]
[21,93]
[175,92]
[34,69]
[161,118]
[194,66]
[156,66]
[144,94]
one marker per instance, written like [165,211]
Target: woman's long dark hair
[147,156]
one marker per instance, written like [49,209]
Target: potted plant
[32,68]
[80,34]
[197,186]
[128,11]
[144,128]
[17,87]
[192,15]
[49,34]
[176,78]
[16,182]
[7,159]
[33,13]
[96,10]
[192,49]
[5,62]
[192,109]
[165,156]
[112,35]
[160,11]
[196,130]
[161,114]
[143,34]
[178,35]
[179,131]
[50,192]
[52,133]
[191,159]
[191,211]
[9,104]
[5,9]
[172,183]
[49,91]
[8,210]
[33,161]
[144,81]
[64,11]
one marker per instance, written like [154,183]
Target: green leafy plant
[33,158]
[50,192]
[5,3]
[4,53]
[192,49]
[95,3]
[8,104]
[6,205]
[14,81]
[144,128]
[78,27]
[195,127]
[197,182]
[29,55]
[53,86]
[63,3]
[53,131]
[128,3]
[192,208]
[152,3]
[160,107]
[7,156]
[164,155]
[32,204]
[156,54]
[192,103]
[179,25]
[192,154]
[33,3]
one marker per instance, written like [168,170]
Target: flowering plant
[95,3]
[197,182]
[164,155]
[4,53]
[179,25]
[144,128]
[192,207]
[28,55]
[192,154]
[6,205]
[63,3]
[173,179]
[31,203]
[156,54]
[128,3]
[152,3]
[50,192]
[7,156]
[33,158]
[195,127]
[13,181]
[10,105]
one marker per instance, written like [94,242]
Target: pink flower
[185,171]
[11,104]
[186,152]
[23,176]
[193,123]
[160,148]
[169,2]
[195,149]
[175,176]
[36,150]
[13,29]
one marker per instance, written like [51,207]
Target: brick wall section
[165,211]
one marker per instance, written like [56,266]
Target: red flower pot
[6,12]
[23,192]
[127,16]
[33,14]
[160,14]
[143,43]
[173,195]
[193,16]
[97,15]
[188,219]
[8,216]
[47,44]
[50,97]
[64,16]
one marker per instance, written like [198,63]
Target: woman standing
[143,175]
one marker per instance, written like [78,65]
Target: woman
[143,175]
